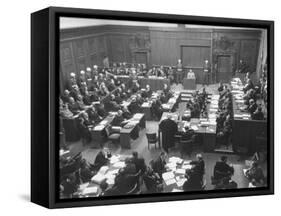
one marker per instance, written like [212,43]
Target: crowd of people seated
[147,178]
[253,93]
[224,115]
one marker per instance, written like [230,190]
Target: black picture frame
[44,105]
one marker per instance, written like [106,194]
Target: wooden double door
[225,68]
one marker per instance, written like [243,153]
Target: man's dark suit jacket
[158,166]
[139,163]
[100,160]
[222,170]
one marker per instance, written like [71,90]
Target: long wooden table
[156,83]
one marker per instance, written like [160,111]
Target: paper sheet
[168,175]
[90,190]
[170,181]
[119,164]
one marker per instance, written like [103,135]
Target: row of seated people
[253,93]
[224,116]
[99,87]
[90,112]
[173,73]
[198,106]
[136,172]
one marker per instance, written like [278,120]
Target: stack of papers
[83,186]
[170,181]
[194,127]
[175,160]
[168,175]
[114,159]
[98,178]
[119,164]
[104,122]
[103,170]
[138,116]
[180,171]
[99,127]
[177,190]
[90,190]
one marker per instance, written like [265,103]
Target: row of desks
[129,131]
[245,131]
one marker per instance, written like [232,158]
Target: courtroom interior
[160,108]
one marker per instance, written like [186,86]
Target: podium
[189,84]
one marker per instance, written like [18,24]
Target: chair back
[151,137]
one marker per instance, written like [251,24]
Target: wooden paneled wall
[82,47]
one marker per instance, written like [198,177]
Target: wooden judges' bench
[245,131]
[156,83]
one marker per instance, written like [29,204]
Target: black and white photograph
[160,108]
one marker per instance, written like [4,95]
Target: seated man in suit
[258,114]
[126,113]
[147,92]
[111,105]
[152,181]
[93,115]
[73,106]
[220,88]
[65,96]
[130,167]
[118,120]
[83,127]
[85,171]
[193,181]
[139,162]
[199,166]
[136,86]
[134,107]
[249,85]
[166,89]
[156,108]
[159,164]
[252,106]
[222,169]
[101,159]
[255,174]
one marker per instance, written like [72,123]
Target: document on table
[103,170]
[168,175]
[186,166]
[114,159]
[98,178]
[175,160]
[177,190]
[194,127]
[170,181]
[99,127]
[180,171]
[90,190]
[119,164]
[138,116]
[83,186]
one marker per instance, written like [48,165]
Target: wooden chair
[152,139]
[113,135]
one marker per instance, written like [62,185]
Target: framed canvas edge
[53,87]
